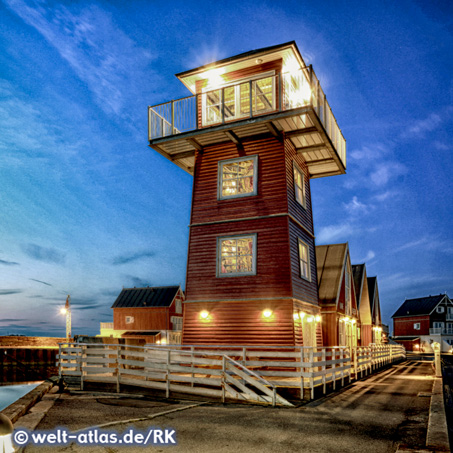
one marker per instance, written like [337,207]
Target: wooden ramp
[205,374]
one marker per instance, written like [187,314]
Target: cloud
[11,320]
[355,206]
[9,263]
[369,256]
[46,254]
[8,292]
[124,259]
[373,166]
[333,233]
[99,53]
[420,127]
[40,281]
[381,175]
[138,282]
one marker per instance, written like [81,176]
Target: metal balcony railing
[440,331]
[249,99]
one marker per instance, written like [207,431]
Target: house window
[236,256]
[238,177]
[299,185]
[304,258]
[233,101]
[438,325]
[440,309]
[129,319]
[416,326]
[177,322]
[178,306]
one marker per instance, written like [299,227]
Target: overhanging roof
[287,52]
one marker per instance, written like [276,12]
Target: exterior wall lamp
[204,314]
[267,313]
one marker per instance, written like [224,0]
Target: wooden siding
[330,329]
[245,73]
[271,197]
[239,322]
[303,289]
[405,326]
[366,335]
[301,214]
[150,318]
[273,276]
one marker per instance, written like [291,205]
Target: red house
[152,313]
[337,297]
[255,130]
[420,322]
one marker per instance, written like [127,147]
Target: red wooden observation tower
[255,130]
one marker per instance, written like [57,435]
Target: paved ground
[387,412]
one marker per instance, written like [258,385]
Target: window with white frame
[177,322]
[233,101]
[238,177]
[438,325]
[440,309]
[416,326]
[129,319]
[304,258]
[236,255]
[299,185]
[178,305]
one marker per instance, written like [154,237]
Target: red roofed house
[337,297]
[420,322]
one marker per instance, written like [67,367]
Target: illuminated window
[177,322]
[236,256]
[238,177]
[129,319]
[304,258]
[299,185]
[228,102]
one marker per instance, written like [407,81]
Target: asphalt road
[386,412]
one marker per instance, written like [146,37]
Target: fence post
[250,99]
[301,373]
[342,366]
[312,384]
[323,369]
[334,366]
[80,366]
[191,365]
[118,368]
[355,363]
[59,362]
[244,355]
[167,390]
[172,117]
[223,377]
[279,78]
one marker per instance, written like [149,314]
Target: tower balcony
[291,105]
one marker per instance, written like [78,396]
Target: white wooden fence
[246,373]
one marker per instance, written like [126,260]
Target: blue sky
[88,208]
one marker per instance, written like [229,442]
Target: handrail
[184,111]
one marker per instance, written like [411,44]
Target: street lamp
[67,311]
[6,433]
